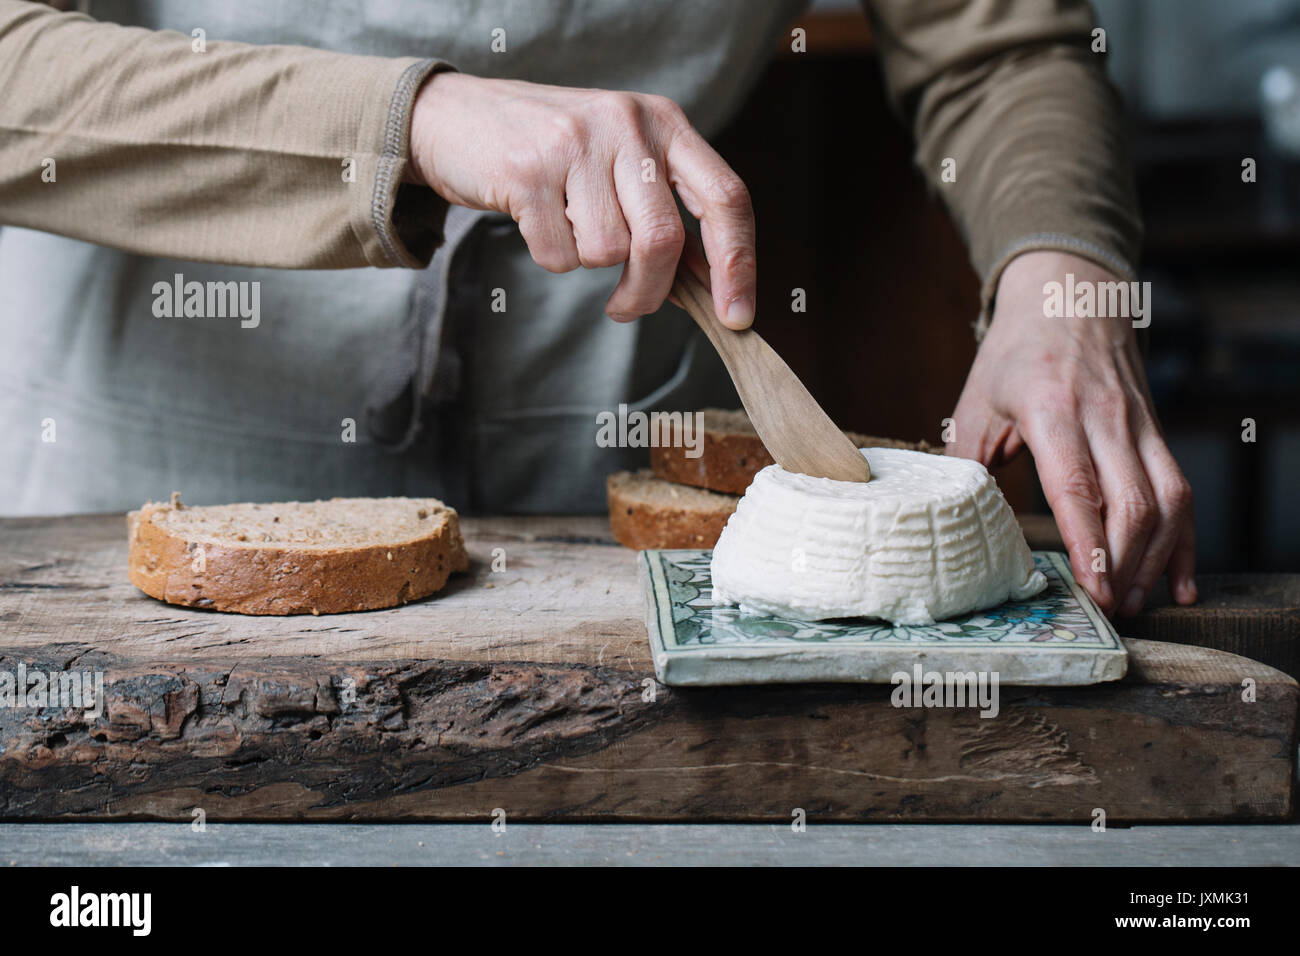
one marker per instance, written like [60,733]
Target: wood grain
[1256,615]
[568,594]
[798,434]
[534,695]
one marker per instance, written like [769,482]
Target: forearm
[1012,94]
[237,154]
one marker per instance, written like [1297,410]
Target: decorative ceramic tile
[1057,638]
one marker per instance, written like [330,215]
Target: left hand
[1073,390]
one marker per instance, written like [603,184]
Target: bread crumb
[176,500]
[390,555]
[423,513]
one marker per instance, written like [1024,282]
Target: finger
[988,438]
[693,259]
[1130,510]
[1182,565]
[548,233]
[1069,481]
[599,230]
[1174,532]
[656,236]
[718,198]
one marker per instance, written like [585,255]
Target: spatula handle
[793,427]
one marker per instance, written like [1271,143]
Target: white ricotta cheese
[929,537]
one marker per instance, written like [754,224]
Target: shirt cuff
[1049,242]
[398,224]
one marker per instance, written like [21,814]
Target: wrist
[427,114]
[1054,288]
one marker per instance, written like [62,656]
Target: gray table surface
[230,844]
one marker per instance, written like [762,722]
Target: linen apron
[493,411]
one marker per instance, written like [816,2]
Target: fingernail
[1187,593]
[620,317]
[1132,603]
[740,314]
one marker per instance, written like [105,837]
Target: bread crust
[289,580]
[729,461]
[642,526]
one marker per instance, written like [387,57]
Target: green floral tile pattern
[1063,616]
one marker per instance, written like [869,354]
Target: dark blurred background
[886,342]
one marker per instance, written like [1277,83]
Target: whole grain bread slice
[318,557]
[648,512]
[732,453]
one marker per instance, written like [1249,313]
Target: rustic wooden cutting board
[529,690]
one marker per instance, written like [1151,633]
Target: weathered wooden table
[528,691]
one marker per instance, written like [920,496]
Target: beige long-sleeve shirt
[1013,93]
[164,144]
[173,148]
[234,154]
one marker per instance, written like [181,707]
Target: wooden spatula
[797,433]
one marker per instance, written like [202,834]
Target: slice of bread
[648,512]
[316,557]
[732,453]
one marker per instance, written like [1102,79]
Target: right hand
[570,166]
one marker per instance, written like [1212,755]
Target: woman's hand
[1074,391]
[589,176]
